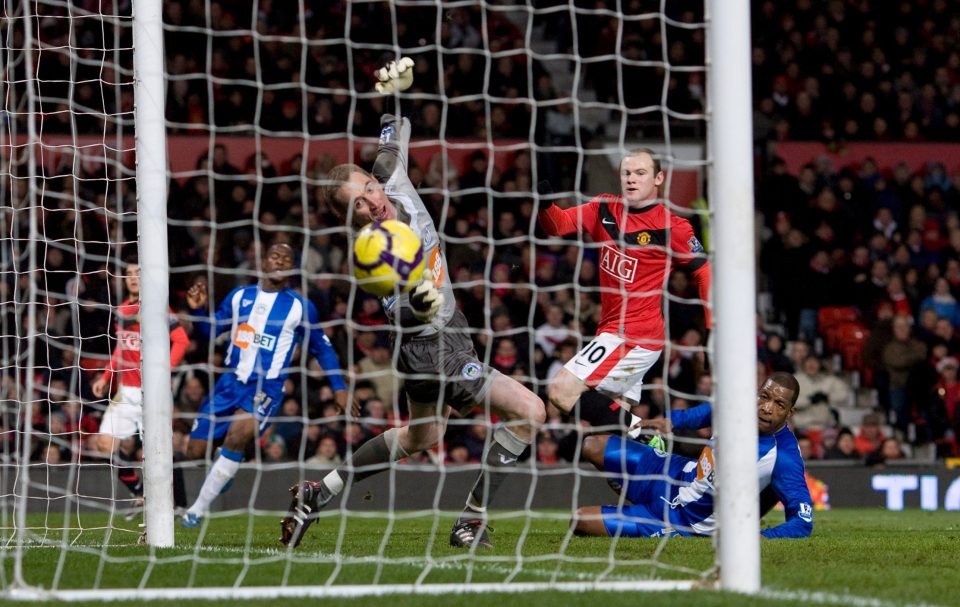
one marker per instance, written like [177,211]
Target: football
[387,258]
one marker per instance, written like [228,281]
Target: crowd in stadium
[878,247]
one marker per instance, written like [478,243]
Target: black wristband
[391,105]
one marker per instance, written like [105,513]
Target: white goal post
[730,174]
[28,528]
[154,269]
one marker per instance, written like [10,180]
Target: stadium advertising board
[893,488]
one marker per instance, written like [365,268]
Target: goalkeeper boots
[308,498]
[470,533]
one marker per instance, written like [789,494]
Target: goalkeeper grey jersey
[390,169]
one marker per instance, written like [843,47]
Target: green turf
[899,558]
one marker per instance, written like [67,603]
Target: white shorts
[610,365]
[124,416]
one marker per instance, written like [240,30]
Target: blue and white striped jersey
[265,327]
[779,466]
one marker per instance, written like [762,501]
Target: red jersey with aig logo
[637,248]
[125,361]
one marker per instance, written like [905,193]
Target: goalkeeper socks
[129,475]
[373,456]
[504,451]
[221,473]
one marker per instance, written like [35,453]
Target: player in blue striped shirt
[680,501]
[266,321]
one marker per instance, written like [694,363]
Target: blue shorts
[259,398]
[636,521]
[643,472]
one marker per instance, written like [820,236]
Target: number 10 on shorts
[611,365]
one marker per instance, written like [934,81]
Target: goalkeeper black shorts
[446,364]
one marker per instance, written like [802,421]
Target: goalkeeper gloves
[425,299]
[396,76]
[656,441]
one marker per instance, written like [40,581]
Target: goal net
[262,100]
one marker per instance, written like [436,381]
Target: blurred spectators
[772,355]
[845,447]
[808,450]
[553,331]
[899,357]
[820,393]
[547,448]
[888,451]
[882,240]
[377,368]
[327,454]
[870,436]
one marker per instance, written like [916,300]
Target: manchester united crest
[643,238]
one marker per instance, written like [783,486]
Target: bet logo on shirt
[246,336]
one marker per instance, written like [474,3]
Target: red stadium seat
[834,315]
[851,338]
[830,318]
[816,437]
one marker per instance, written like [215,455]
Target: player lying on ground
[682,503]
[640,241]
[122,423]
[435,352]
[267,322]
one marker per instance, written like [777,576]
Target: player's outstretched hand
[395,76]
[425,299]
[99,387]
[342,398]
[197,295]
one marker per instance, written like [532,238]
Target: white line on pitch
[821,598]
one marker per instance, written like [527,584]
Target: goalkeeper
[680,501]
[436,354]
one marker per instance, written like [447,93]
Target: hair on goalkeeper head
[633,152]
[336,178]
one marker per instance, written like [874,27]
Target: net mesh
[69,213]
[263,99]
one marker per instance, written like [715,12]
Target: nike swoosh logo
[609,223]
[246,302]
[507,460]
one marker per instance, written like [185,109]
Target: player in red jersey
[640,240]
[123,419]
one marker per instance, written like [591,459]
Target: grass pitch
[867,558]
